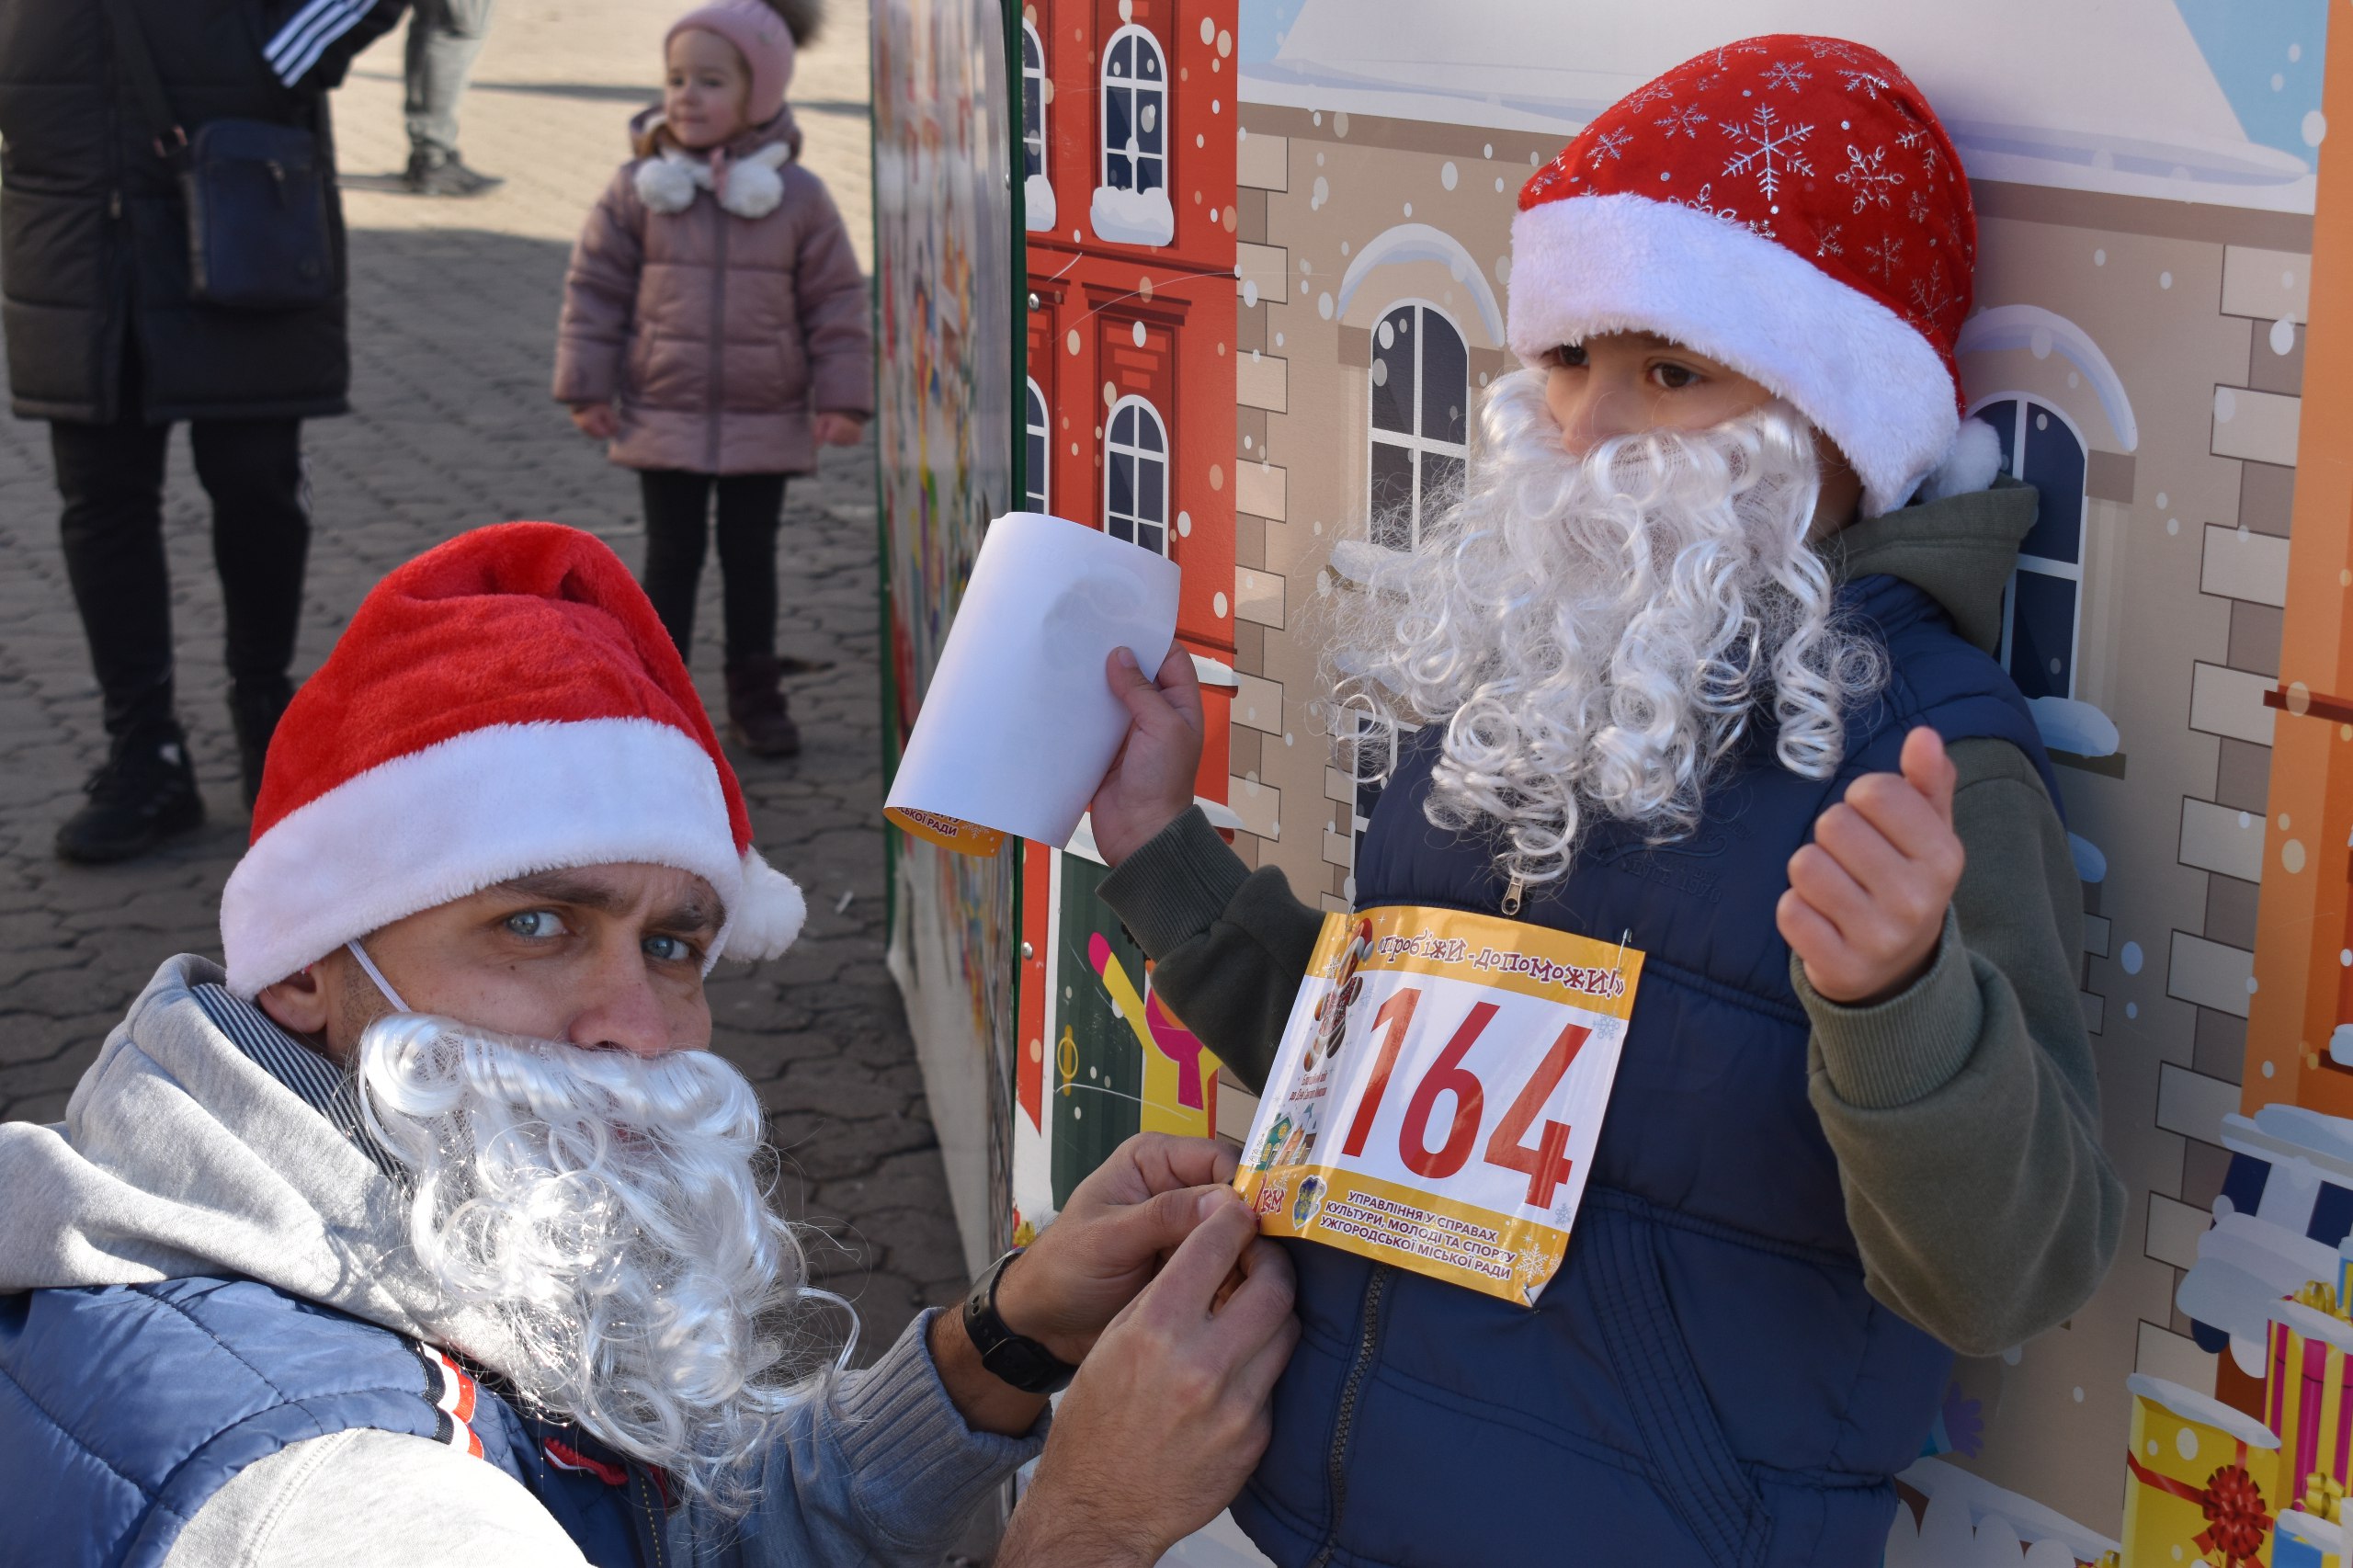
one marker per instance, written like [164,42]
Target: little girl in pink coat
[714,332]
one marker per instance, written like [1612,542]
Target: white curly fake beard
[594,1228]
[1596,635]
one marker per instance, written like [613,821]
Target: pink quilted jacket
[716,337]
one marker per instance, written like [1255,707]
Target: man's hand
[1151,781]
[838,429]
[597,420]
[1110,1239]
[1170,1413]
[1866,898]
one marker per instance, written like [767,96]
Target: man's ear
[298,1003]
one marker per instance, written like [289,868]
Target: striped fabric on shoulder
[316,1081]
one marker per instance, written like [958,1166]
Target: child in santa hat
[714,332]
[1704,661]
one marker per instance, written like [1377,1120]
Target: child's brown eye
[1569,354]
[1674,378]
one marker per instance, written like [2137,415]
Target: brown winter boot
[758,719]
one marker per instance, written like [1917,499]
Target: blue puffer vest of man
[1706,1381]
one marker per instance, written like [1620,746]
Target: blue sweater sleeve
[883,1471]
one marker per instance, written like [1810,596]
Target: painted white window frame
[1134,85]
[1113,448]
[1033,91]
[2073,570]
[1038,419]
[1415,442]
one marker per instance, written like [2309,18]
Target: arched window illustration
[1421,396]
[1037,188]
[1037,442]
[2042,607]
[1132,203]
[1135,475]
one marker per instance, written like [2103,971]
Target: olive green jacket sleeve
[1964,1112]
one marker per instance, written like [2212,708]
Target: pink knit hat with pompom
[760,36]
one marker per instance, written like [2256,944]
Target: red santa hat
[505,704]
[1789,205]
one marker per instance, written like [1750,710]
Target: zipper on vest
[1368,1334]
[1512,895]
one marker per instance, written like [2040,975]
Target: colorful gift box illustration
[2204,1480]
[2306,1399]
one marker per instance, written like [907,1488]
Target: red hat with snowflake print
[1790,205]
[505,704]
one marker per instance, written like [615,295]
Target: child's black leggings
[677,508]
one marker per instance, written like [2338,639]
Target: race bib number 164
[1438,1092]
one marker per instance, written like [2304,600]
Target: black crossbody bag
[256,194]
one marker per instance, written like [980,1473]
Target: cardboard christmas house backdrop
[1226,279]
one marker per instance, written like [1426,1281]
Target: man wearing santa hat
[430,1231]
[1701,661]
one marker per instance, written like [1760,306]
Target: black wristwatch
[1011,1358]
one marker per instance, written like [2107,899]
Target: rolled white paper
[1019,724]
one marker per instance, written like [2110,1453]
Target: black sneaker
[255,708]
[144,794]
[446,174]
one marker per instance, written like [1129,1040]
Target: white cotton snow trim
[1970,464]
[502,802]
[752,187]
[1855,369]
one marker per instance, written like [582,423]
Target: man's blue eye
[667,949]
[538,923]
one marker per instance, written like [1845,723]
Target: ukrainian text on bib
[1438,1092]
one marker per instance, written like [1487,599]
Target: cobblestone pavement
[453,311]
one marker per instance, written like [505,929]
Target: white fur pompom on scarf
[749,188]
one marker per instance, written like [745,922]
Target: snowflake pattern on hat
[1819,144]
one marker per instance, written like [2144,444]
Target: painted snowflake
[1932,297]
[1529,1269]
[1834,49]
[1643,97]
[1790,75]
[1726,54]
[1608,145]
[1917,139]
[1686,120]
[1868,175]
[1829,242]
[1886,256]
[1705,202]
[1768,148]
[1871,83]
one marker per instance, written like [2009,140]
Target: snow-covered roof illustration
[2115,98]
[1960,1500]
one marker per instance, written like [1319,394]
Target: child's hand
[1866,898]
[1151,781]
[597,420]
[840,429]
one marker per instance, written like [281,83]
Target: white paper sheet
[1019,725]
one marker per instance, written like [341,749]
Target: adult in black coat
[104,342]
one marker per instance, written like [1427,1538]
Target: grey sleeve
[1228,945]
[381,1498]
[884,1472]
[1965,1113]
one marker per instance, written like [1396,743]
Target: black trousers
[677,512]
[111,479]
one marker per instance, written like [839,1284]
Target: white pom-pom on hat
[1972,463]
[767,915]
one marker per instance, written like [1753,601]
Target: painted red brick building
[1129,187]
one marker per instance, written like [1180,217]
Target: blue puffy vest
[124,1408]
[1706,1382]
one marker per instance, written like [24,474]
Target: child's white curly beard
[596,1230]
[1598,634]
